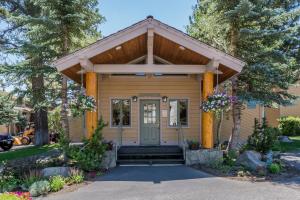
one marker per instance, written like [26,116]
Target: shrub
[263,137]
[39,188]
[274,168]
[30,177]
[89,156]
[76,176]
[289,126]
[8,182]
[57,183]
[230,158]
[7,196]
[15,196]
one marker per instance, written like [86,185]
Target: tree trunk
[64,105]
[64,87]
[236,117]
[40,114]
[236,107]
[219,124]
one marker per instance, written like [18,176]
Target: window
[178,112]
[120,112]
[150,113]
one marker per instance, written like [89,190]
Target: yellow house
[149,80]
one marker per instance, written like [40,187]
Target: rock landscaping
[251,160]
[59,168]
[56,171]
[203,156]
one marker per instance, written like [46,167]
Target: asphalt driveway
[174,183]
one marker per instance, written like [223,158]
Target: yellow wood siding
[247,123]
[184,87]
[76,129]
[292,110]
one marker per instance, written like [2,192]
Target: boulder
[56,171]
[285,139]
[203,156]
[292,160]
[109,160]
[251,160]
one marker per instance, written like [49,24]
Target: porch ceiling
[131,45]
[137,48]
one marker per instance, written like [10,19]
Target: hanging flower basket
[218,102]
[82,104]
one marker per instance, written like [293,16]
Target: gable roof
[141,28]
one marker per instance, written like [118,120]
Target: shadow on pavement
[155,174]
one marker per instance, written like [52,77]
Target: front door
[149,122]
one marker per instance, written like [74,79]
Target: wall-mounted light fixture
[164,99]
[134,98]
[181,48]
[118,48]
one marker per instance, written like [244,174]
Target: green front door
[149,122]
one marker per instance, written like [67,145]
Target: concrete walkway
[174,182]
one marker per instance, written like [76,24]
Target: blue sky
[122,13]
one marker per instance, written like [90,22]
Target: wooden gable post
[91,90]
[207,117]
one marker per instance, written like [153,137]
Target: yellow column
[91,90]
[207,117]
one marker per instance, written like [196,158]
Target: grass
[30,151]
[291,147]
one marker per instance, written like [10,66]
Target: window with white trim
[178,112]
[120,112]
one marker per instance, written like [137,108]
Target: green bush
[39,188]
[57,183]
[263,137]
[76,176]
[30,177]
[230,158]
[8,182]
[7,196]
[289,126]
[274,168]
[89,156]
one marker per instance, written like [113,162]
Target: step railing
[181,139]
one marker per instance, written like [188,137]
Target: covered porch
[149,80]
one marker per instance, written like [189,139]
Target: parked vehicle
[6,142]
[26,137]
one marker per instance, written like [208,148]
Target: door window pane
[121,109]
[149,113]
[178,112]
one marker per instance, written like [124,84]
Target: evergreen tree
[29,70]
[266,35]
[70,24]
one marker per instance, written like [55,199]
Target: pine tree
[265,34]
[28,72]
[70,24]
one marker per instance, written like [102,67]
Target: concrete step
[150,161]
